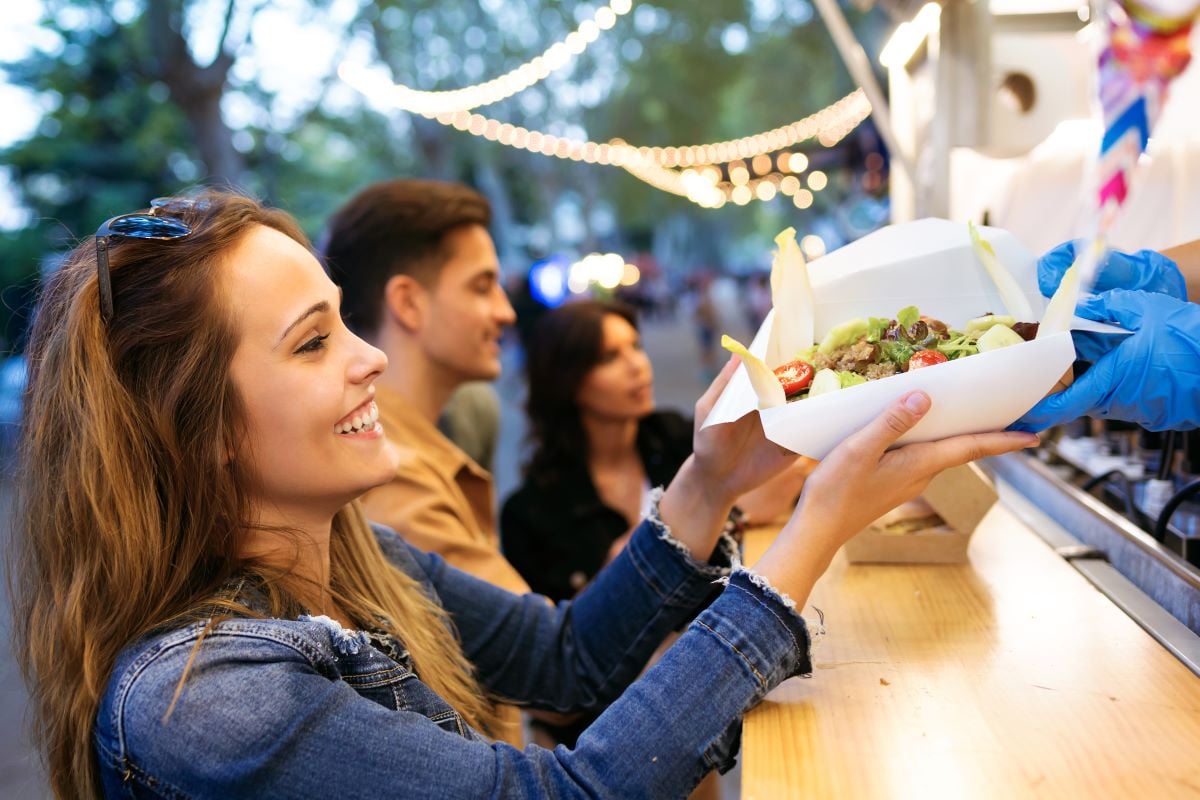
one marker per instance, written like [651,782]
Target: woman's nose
[369,362]
[638,363]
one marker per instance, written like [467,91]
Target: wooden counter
[1007,677]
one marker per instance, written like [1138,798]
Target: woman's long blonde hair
[126,520]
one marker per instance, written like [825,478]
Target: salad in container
[930,305]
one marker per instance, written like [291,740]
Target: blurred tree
[196,88]
[132,113]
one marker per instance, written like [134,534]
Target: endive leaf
[762,379]
[1015,301]
[792,297]
[1061,307]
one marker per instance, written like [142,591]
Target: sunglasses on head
[158,223]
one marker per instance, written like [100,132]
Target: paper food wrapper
[929,264]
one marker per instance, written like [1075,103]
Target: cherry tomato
[926,358]
[795,376]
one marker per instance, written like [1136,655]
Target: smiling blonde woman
[201,609]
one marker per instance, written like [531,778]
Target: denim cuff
[726,556]
[763,628]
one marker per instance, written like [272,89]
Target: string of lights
[757,180]
[828,126]
[516,80]
[702,186]
[691,171]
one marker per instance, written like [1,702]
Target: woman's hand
[726,461]
[860,481]
[736,457]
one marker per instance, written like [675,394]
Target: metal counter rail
[1156,588]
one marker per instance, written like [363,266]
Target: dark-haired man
[421,281]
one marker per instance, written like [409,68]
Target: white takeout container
[930,264]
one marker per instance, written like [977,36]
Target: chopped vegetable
[998,336]
[1026,330]
[844,334]
[959,346]
[908,316]
[766,385]
[1061,307]
[806,355]
[790,290]
[795,376]
[926,358]
[981,324]
[823,382]
[876,327]
[897,352]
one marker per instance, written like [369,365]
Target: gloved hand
[1151,377]
[1145,270]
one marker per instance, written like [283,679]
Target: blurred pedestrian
[705,322]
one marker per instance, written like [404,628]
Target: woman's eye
[313,345]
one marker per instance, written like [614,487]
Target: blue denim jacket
[301,708]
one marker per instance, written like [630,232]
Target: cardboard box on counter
[959,497]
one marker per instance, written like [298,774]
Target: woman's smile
[362,421]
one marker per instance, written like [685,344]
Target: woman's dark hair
[566,344]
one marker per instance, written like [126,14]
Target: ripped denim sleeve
[726,556]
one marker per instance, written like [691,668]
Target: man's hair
[395,227]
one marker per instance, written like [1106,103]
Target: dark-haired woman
[599,449]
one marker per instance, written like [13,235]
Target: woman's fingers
[930,458]
[882,432]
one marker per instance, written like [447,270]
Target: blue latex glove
[1145,270]
[1151,377]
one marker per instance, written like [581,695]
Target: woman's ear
[404,301]
[227,448]
[225,453]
